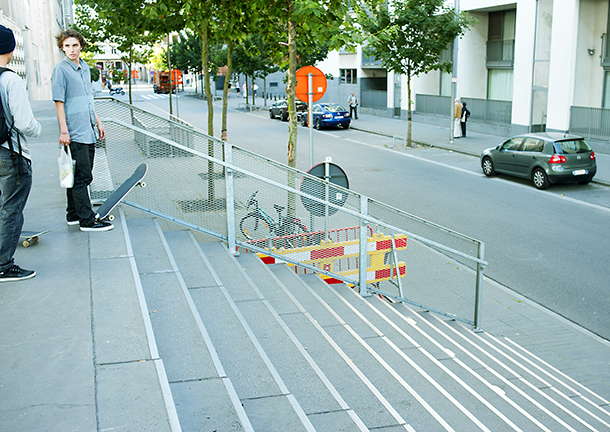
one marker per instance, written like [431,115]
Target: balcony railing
[493,112]
[501,54]
[370,61]
[593,123]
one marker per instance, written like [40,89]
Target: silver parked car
[545,158]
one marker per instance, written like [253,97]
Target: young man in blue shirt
[73,96]
[15,161]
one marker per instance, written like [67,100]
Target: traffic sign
[319,83]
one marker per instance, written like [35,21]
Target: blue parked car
[327,115]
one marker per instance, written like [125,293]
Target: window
[500,84]
[513,144]
[501,39]
[347,76]
[533,145]
[273,84]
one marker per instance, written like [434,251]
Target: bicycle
[258,225]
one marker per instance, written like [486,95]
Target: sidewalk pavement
[57,363]
[434,136]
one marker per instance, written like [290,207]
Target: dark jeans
[13,197]
[353,112]
[463,124]
[79,203]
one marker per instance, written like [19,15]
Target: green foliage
[408,36]
[186,54]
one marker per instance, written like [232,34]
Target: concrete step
[204,397]
[339,369]
[248,346]
[506,391]
[310,402]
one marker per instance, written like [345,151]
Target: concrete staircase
[245,346]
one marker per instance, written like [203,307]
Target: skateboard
[31,237]
[111,202]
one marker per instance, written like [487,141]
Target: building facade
[35,24]
[527,65]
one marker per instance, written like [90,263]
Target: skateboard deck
[111,202]
[31,237]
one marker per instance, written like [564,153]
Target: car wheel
[304,121]
[540,179]
[284,115]
[271,115]
[316,124]
[488,167]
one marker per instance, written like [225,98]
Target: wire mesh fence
[264,206]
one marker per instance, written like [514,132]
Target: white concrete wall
[589,76]
[472,70]
[563,63]
[38,21]
[523,65]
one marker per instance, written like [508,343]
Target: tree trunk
[169,66]
[206,77]
[225,90]
[291,87]
[292,118]
[208,94]
[129,77]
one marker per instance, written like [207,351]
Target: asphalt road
[550,246]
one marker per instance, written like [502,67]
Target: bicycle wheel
[254,227]
[290,231]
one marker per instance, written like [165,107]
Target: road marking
[480,174]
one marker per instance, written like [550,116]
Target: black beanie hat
[7,40]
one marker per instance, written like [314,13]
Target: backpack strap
[10,140]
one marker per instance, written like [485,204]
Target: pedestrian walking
[457,116]
[79,127]
[353,106]
[15,159]
[464,119]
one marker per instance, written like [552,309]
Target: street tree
[408,36]
[256,57]
[117,21]
[310,22]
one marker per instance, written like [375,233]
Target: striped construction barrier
[342,257]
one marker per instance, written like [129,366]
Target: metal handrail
[366,218]
[189,146]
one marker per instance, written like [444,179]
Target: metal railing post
[230,200]
[479,287]
[363,264]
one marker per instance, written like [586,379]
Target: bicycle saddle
[278,208]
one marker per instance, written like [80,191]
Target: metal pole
[310,116]
[230,201]
[363,257]
[454,79]
[479,288]
[326,197]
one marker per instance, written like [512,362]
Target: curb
[454,149]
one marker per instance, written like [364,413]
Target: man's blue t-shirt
[72,86]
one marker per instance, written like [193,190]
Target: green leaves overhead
[408,36]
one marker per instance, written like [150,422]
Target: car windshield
[571,146]
[334,108]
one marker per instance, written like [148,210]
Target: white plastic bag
[66,167]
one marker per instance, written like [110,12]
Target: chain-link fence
[264,206]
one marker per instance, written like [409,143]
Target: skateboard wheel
[143,184]
[25,243]
[111,218]
[35,239]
